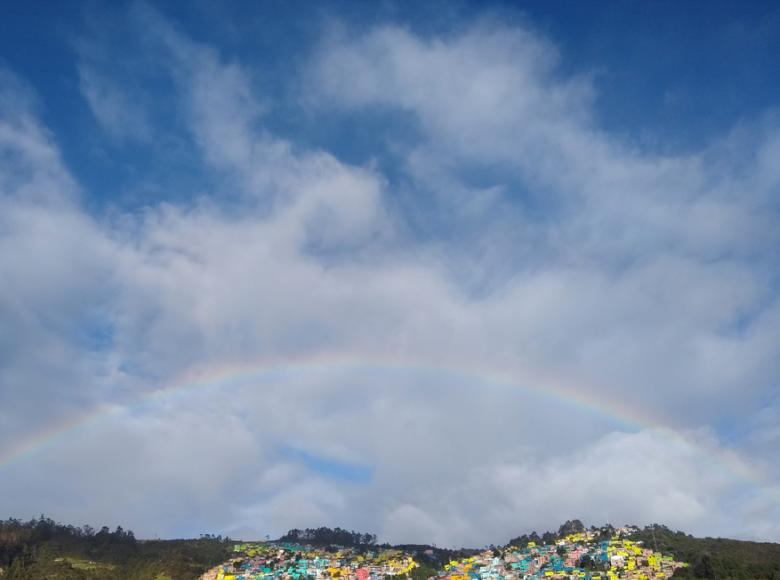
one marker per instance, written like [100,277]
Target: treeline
[568,527]
[329,537]
[42,548]
[715,558]
[430,559]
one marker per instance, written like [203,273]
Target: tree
[702,568]
[571,527]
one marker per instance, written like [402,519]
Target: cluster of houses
[582,555]
[294,562]
[576,556]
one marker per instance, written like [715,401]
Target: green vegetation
[41,549]
[424,571]
[328,537]
[44,550]
[715,558]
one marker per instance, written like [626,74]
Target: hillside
[716,557]
[42,549]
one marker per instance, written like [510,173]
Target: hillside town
[578,555]
[293,562]
[581,555]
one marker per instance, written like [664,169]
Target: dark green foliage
[42,549]
[431,557]
[605,532]
[329,537]
[548,538]
[423,572]
[571,527]
[715,558]
[589,563]
[522,541]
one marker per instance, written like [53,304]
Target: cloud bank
[514,237]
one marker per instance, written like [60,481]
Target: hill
[41,549]
[716,557]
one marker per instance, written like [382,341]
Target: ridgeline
[41,549]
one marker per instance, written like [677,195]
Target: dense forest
[715,557]
[43,549]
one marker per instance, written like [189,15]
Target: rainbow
[228,376]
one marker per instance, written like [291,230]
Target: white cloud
[116,110]
[31,167]
[641,282]
[662,251]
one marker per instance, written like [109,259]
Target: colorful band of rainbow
[225,377]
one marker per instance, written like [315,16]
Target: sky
[446,272]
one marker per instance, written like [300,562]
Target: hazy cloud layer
[556,256]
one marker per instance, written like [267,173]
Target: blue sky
[442,260]
[658,66]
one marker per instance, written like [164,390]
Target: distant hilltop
[41,548]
